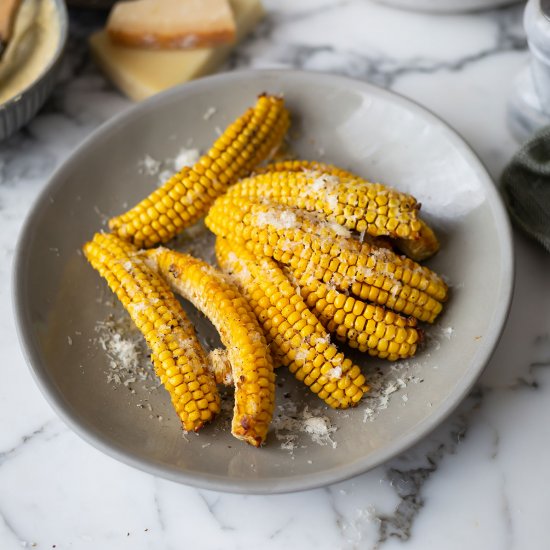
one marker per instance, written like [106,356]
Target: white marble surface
[478,482]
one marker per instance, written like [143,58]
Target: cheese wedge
[171,24]
[142,73]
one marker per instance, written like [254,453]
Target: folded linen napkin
[525,187]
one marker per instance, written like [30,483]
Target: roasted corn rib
[220,300]
[317,250]
[297,337]
[361,206]
[179,359]
[367,327]
[368,208]
[187,195]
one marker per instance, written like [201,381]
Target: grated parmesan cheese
[210,112]
[335,373]
[186,157]
[164,169]
[285,220]
[148,165]
[288,423]
[126,352]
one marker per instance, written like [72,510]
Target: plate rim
[452,8]
[283,485]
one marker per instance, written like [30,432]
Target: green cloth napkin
[525,186]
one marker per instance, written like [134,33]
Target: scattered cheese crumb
[148,165]
[186,157]
[335,373]
[164,176]
[210,112]
[126,353]
[285,220]
[311,422]
[340,230]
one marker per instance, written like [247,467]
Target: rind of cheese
[172,24]
[142,73]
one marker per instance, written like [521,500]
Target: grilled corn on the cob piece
[297,337]
[187,195]
[220,300]
[178,357]
[364,326]
[354,203]
[316,250]
[368,208]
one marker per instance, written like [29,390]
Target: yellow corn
[327,252]
[369,328]
[422,248]
[220,300]
[296,336]
[354,203]
[299,165]
[178,358]
[368,208]
[187,195]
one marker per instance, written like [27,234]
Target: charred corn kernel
[349,201]
[178,358]
[220,300]
[327,252]
[187,195]
[422,248]
[309,354]
[346,317]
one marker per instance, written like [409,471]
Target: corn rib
[326,252]
[187,195]
[178,358]
[297,337]
[366,327]
[211,292]
[369,208]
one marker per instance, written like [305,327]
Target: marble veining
[316,53]
[476,482]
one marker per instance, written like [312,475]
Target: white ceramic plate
[371,131]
